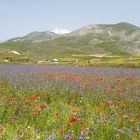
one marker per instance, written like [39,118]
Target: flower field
[69,103]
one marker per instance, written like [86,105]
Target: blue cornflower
[52,139]
[15,118]
[80,138]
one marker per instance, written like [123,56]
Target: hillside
[36,37]
[120,39]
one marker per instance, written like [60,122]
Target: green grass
[18,46]
[83,60]
[111,47]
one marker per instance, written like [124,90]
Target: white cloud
[61,31]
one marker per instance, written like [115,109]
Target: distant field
[98,60]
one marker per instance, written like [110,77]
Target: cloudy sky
[20,17]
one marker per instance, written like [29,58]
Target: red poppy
[73,120]
[25,102]
[74,111]
[33,98]
[82,122]
[118,90]
[44,106]
[10,99]
[38,111]
[61,132]
[118,80]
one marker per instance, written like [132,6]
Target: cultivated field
[69,103]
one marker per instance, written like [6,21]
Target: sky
[20,17]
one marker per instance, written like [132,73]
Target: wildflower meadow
[69,103]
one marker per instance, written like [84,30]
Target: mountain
[37,37]
[120,39]
[105,29]
[124,36]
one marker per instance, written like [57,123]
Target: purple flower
[51,139]
[15,118]
[69,136]
[130,132]
[125,117]
[138,129]
[80,138]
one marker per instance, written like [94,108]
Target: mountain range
[121,39]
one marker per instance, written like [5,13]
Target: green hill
[120,39]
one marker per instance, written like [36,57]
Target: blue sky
[20,17]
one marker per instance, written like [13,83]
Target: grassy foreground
[109,111]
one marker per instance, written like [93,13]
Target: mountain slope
[37,37]
[106,39]
[125,36]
